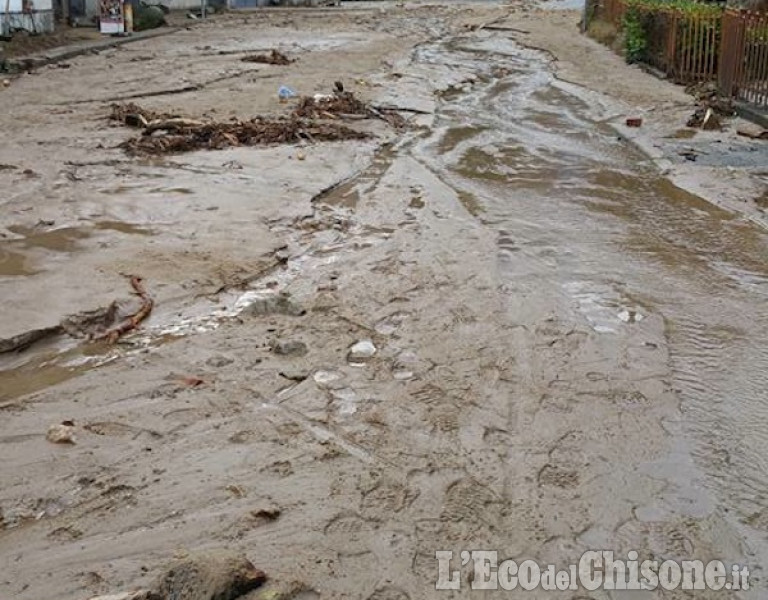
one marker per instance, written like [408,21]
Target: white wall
[40,20]
[15,5]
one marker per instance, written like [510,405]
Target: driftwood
[345,105]
[134,115]
[130,323]
[391,108]
[504,28]
[172,124]
[135,96]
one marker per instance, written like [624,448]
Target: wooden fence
[683,46]
[611,11]
[731,47]
[743,72]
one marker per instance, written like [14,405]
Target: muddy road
[501,328]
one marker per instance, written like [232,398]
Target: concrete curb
[750,113]
[35,61]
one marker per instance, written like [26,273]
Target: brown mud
[501,328]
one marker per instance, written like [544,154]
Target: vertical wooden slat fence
[743,69]
[683,46]
[744,60]
[731,47]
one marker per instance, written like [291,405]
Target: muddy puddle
[30,249]
[52,356]
[576,207]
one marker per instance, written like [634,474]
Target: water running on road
[580,214]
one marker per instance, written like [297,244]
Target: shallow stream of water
[572,205]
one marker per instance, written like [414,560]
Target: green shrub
[635,40]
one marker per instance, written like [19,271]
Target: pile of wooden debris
[314,119]
[167,134]
[711,107]
[344,105]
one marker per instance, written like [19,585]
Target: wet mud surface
[501,329]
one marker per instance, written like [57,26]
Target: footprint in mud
[281,468]
[634,399]
[385,499]
[429,394]
[437,534]
[659,538]
[470,501]
[444,418]
[462,315]
[498,439]
[552,475]
[566,461]
[351,532]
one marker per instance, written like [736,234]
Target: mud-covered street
[495,324]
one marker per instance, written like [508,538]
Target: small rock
[327,378]
[360,352]
[6,82]
[294,374]
[289,347]
[220,575]
[630,316]
[190,381]
[62,433]
[265,513]
[219,361]
[271,303]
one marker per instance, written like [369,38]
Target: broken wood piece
[505,28]
[171,124]
[710,121]
[391,108]
[132,322]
